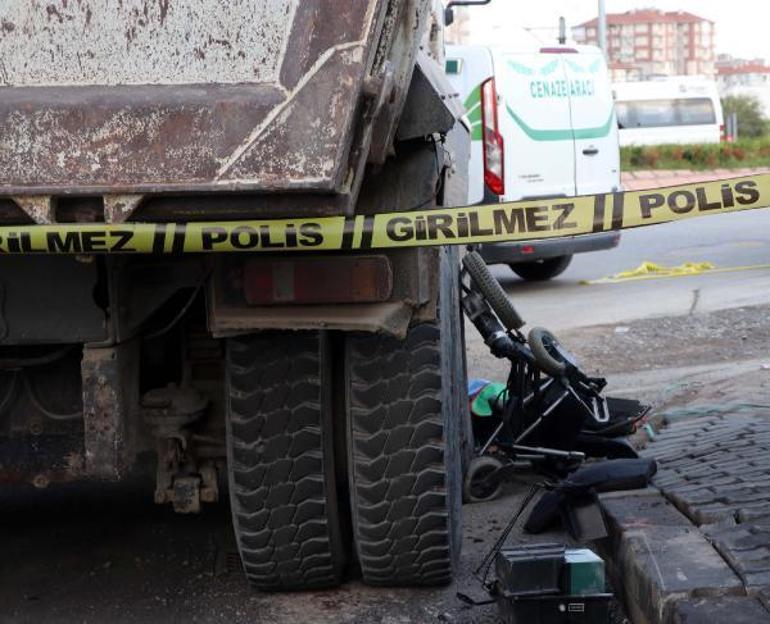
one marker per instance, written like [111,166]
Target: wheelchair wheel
[479,484]
[492,291]
[544,346]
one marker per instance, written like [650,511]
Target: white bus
[671,110]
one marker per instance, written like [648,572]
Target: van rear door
[535,121]
[467,68]
[597,153]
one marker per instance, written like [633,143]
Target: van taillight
[494,171]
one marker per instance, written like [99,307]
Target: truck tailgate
[166,95]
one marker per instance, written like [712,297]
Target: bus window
[696,112]
[664,113]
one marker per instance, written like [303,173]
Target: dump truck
[323,391]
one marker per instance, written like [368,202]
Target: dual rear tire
[316,449]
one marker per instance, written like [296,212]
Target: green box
[583,572]
[454,66]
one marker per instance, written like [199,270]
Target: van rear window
[668,112]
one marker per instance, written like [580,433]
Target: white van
[543,125]
[678,110]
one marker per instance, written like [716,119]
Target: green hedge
[742,153]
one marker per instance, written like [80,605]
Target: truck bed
[158,96]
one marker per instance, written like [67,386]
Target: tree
[751,121]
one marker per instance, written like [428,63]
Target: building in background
[645,43]
[744,77]
[736,72]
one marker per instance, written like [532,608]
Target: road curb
[688,549]
[660,559]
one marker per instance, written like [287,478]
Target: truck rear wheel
[404,404]
[280,460]
[541,270]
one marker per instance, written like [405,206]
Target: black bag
[606,476]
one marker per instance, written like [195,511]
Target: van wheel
[280,460]
[404,439]
[541,270]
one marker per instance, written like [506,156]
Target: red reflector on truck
[350,279]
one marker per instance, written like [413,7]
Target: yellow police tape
[512,221]
[650,270]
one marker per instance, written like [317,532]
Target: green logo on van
[566,134]
[473,111]
[520,69]
[545,70]
[593,68]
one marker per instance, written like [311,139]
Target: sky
[741,25]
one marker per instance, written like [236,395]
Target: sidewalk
[640,180]
[694,548]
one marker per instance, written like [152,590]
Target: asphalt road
[732,240]
[95,553]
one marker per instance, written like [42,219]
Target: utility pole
[603,27]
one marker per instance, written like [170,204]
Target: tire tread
[397,463]
[284,515]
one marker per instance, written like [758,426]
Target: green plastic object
[583,572]
[491,395]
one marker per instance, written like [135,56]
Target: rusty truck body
[322,391]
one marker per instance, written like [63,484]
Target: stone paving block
[658,557]
[755,473]
[746,547]
[692,425]
[741,442]
[693,495]
[663,564]
[683,486]
[713,511]
[679,457]
[759,503]
[700,497]
[699,471]
[733,493]
[701,454]
[640,508]
[737,610]
[715,473]
[744,493]
[752,458]
[680,485]
[692,468]
[675,478]
[716,513]
[758,514]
